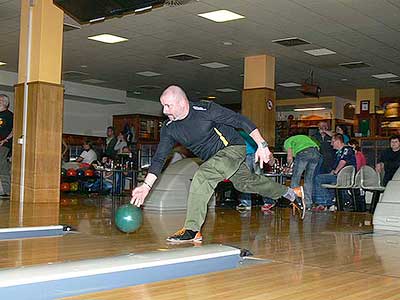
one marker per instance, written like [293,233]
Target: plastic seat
[358,197]
[370,181]
[396,176]
[344,181]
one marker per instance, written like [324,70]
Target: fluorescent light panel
[221,16]
[148,74]
[320,52]
[289,84]
[385,76]
[309,109]
[226,90]
[2,63]
[107,38]
[214,65]
[94,81]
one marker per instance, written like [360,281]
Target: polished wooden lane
[326,256]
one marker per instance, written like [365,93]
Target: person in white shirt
[88,155]
[121,143]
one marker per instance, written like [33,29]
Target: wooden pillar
[366,101]
[258,97]
[41,75]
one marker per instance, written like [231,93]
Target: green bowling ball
[128,218]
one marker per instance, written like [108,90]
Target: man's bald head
[175,103]
[174,92]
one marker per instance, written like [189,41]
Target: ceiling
[357,30]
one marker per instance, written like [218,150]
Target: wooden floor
[326,256]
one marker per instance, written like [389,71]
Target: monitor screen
[85,11]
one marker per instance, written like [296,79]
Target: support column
[39,100]
[258,97]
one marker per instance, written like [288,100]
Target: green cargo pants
[228,163]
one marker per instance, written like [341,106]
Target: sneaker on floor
[185,236]
[299,203]
[332,208]
[319,208]
[267,208]
[242,207]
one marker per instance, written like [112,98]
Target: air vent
[149,87]
[291,42]
[75,75]
[178,2]
[183,57]
[354,65]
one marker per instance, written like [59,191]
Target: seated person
[345,156]
[389,160]
[88,155]
[104,163]
[360,158]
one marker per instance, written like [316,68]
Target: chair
[344,181]
[396,176]
[358,198]
[370,181]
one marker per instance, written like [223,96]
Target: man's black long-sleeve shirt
[207,129]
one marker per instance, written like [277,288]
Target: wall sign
[364,107]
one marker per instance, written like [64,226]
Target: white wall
[93,119]
[86,118]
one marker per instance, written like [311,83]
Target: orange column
[258,97]
[38,113]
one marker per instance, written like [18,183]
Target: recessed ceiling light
[92,80]
[107,38]
[320,52]
[2,63]
[84,66]
[344,79]
[226,90]
[309,109]
[396,81]
[227,43]
[289,84]
[148,74]
[385,76]
[211,97]
[137,92]
[214,65]
[221,16]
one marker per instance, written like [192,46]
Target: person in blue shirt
[245,198]
[344,156]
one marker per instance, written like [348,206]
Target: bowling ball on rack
[74,186]
[89,173]
[84,166]
[71,172]
[65,187]
[63,172]
[128,218]
[80,173]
